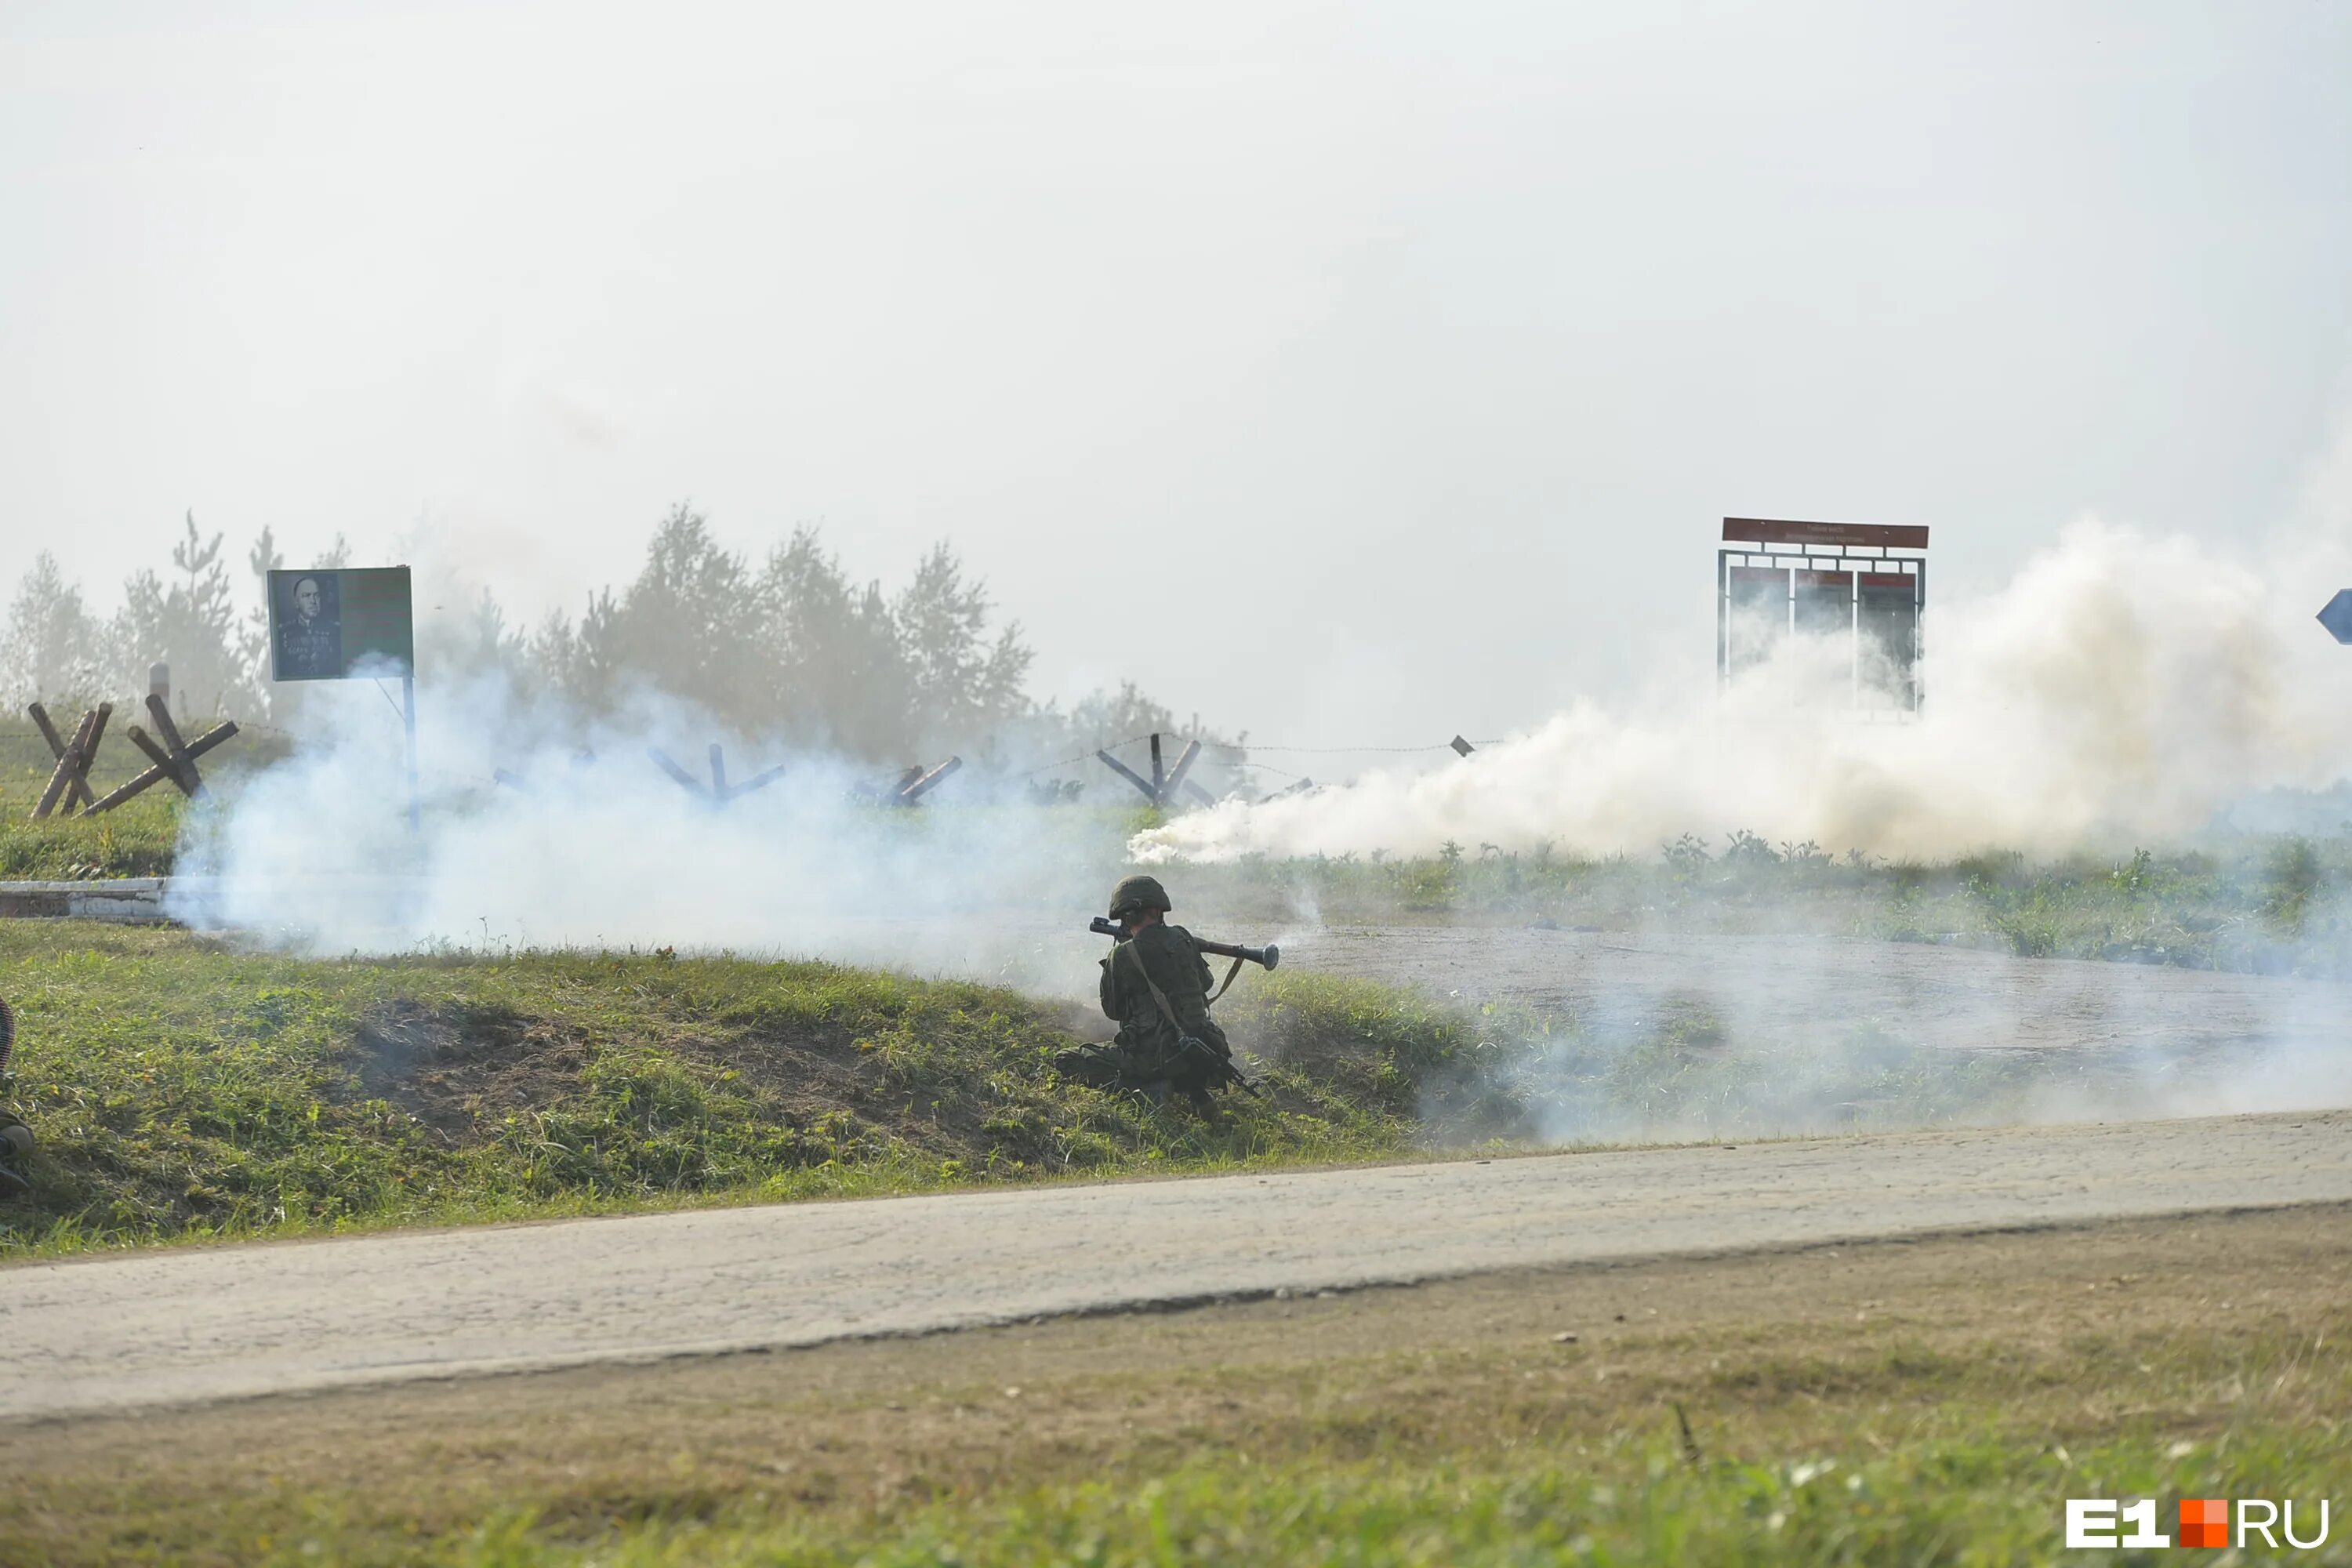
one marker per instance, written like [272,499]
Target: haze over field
[1410,355]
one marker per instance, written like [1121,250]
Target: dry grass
[2024,1368]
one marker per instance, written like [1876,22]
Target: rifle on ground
[1220,1069]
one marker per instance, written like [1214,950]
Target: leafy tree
[793,649]
[554,653]
[54,651]
[264,558]
[190,624]
[1107,718]
[475,640]
[691,625]
[841,675]
[959,683]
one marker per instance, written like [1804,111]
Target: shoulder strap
[1218,1064]
[1157,995]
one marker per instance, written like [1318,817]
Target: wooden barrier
[1163,785]
[718,792]
[174,758]
[915,783]
[70,780]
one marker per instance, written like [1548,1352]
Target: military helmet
[1139,893]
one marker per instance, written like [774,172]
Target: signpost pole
[408,722]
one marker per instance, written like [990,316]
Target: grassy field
[1930,1400]
[2277,904]
[137,839]
[184,1089]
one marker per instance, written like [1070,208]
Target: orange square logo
[2205,1521]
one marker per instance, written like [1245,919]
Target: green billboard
[341,623]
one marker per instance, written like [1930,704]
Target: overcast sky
[1354,374]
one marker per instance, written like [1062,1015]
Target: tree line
[786,647]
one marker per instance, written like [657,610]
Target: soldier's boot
[16,1148]
[1090,1065]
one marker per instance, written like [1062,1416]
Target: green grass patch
[2245,902]
[138,838]
[1984,1498]
[184,1090]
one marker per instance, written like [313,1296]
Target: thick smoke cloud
[598,848]
[2121,687]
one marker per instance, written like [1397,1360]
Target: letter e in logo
[2090,1523]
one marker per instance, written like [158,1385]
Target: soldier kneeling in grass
[1155,983]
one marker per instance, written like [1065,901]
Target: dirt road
[186,1325]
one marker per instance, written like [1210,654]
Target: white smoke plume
[594,847]
[2120,689]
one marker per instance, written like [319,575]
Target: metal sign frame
[1882,567]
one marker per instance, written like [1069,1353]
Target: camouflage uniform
[1149,1053]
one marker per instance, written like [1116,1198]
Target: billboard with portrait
[340,624]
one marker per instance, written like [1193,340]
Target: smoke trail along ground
[2120,689]
[1615,1035]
